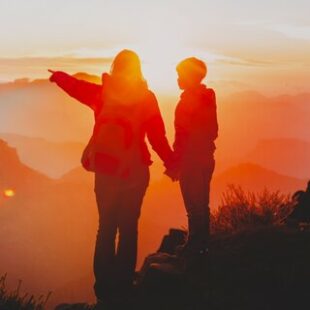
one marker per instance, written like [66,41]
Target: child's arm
[86,92]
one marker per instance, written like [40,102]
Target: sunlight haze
[241,40]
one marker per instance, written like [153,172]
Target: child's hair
[193,68]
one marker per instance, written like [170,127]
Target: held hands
[173,169]
[173,174]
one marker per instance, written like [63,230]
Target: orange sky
[261,45]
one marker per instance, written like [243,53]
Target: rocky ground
[259,269]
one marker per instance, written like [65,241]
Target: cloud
[293,31]
[36,67]
[242,61]
[58,61]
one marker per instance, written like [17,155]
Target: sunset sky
[258,58]
[263,45]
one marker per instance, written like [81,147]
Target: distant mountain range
[51,158]
[14,173]
[253,177]
[40,109]
[247,118]
[287,156]
[47,229]
[52,224]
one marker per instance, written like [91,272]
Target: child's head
[191,71]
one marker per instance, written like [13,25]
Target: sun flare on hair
[160,51]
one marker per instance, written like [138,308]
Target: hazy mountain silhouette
[52,224]
[88,77]
[253,177]
[78,175]
[246,118]
[14,173]
[38,108]
[162,192]
[52,158]
[286,156]
[47,230]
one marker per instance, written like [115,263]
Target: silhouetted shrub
[243,210]
[14,301]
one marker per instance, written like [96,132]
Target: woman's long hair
[126,79]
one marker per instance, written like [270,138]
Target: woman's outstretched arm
[85,92]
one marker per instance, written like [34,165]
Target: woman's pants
[119,203]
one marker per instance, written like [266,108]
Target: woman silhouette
[126,112]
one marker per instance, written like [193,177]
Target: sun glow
[9,193]
[159,58]
[160,46]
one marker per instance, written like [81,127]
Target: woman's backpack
[114,144]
